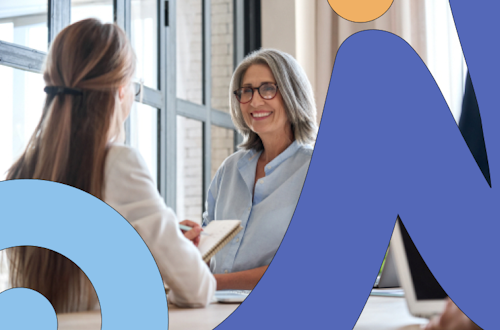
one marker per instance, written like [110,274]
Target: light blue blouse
[266,219]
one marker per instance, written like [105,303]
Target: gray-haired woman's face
[265,117]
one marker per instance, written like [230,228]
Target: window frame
[164,98]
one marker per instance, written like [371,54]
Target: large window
[21,91]
[180,123]
[204,65]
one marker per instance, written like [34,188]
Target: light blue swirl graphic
[26,309]
[96,238]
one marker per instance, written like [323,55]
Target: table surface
[178,318]
[380,313]
[387,313]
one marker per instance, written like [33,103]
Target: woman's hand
[243,280]
[194,234]
[451,319]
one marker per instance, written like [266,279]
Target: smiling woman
[273,107]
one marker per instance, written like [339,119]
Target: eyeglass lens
[266,91]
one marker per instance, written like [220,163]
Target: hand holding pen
[192,231]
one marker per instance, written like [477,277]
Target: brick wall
[189,169]
[222,70]
[189,87]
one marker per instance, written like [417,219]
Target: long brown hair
[70,143]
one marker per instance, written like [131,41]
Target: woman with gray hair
[272,106]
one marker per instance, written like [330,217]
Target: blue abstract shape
[97,239]
[26,309]
[388,145]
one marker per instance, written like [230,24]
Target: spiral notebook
[220,232]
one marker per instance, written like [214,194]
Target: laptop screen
[425,284]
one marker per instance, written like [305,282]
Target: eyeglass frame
[140,83]
[258,90]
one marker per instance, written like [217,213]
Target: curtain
[426,25]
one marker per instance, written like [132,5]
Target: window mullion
[239,32]
[122,9]
[168,114]
[207,93]
[122,18]
[239,47]
[59,16]
[20,57]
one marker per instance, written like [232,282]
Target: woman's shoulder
[234,158]
[124,162]
[304,151]
[126,176]
[120,151]
[122,154]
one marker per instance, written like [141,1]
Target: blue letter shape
[387,145]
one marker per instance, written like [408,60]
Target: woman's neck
[275,145]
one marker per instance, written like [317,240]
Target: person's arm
[130,190]
[452,318]
[244,280]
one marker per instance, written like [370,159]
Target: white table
[178,318]
[387,313]
[380,313]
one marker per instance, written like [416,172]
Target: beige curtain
[327,41]
[426,25]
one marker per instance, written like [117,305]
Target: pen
[187,228]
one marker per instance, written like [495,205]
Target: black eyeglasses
[137,85]
[267,91]
[137,88]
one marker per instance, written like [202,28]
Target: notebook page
[218,230]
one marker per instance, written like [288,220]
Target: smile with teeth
[261,114]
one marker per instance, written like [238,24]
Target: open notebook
[220,232]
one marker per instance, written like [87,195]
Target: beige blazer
[130,190]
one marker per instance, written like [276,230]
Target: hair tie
[54,90]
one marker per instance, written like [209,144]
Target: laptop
[424,296]
[388,278]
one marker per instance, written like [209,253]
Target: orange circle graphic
[360,11]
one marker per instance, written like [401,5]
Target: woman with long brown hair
[88,73]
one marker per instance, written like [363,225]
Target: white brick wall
[189,50]
[222,70]
[189,87]
[189,169]
[222,53]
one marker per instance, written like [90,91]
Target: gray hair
[295,90]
